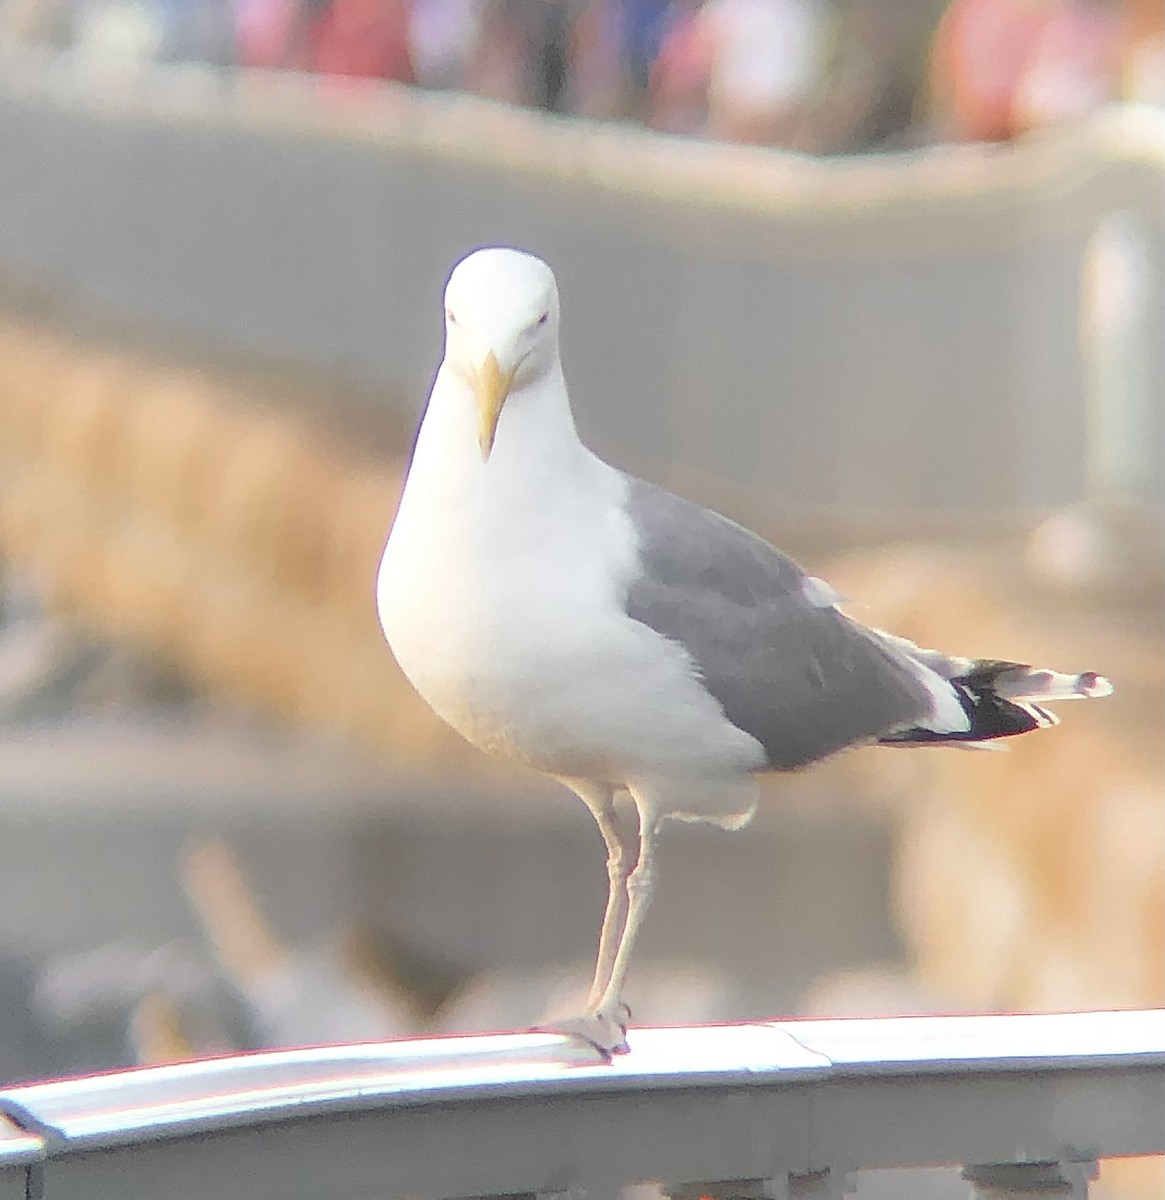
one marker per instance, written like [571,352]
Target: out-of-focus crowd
[823,76]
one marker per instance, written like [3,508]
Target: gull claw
[608,1034]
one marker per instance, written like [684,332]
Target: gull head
[501,329]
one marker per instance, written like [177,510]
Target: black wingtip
[989,714]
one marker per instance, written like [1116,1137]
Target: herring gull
[559,612]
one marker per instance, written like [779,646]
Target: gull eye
[544,318]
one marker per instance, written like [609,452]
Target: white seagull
[562,613]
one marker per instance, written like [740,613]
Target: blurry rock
[41,661]
[90,1004]
[157,1030]
[308,999]
[396,966]
[295,995]
[49,666]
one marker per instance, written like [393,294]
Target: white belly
[538,660]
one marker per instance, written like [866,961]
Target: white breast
[501,594]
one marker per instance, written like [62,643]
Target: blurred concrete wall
[904,337]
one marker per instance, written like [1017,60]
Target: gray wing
[787,667]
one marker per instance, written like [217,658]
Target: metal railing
[775,1109]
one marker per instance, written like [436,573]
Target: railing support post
[808,1185]
[1031,1181]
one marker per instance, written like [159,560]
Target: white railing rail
[1024,1103]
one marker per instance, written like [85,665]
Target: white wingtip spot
[819,593]
[1093,686]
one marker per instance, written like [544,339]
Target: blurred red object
[978,57]
[1000,67]
[362,38]
[681,75]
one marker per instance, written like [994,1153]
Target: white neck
[458,513]
[536,440]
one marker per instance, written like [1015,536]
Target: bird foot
[605,1032]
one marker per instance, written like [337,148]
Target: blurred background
[881,278]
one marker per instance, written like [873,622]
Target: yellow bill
[492,386]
